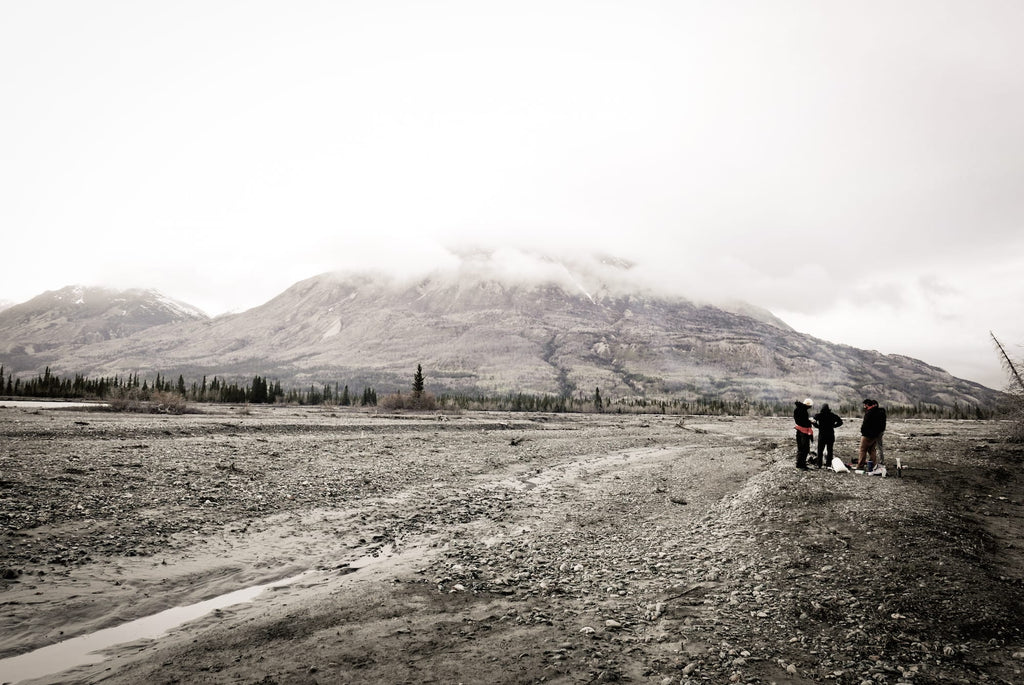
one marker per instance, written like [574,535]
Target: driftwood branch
[1007,362]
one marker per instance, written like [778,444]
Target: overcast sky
[857,168]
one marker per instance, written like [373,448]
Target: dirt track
[509,548]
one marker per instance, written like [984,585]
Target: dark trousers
[825,445]
[803,448]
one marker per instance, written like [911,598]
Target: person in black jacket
[871,430]
[827,422]
[804,432]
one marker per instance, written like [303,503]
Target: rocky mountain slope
[52,325]
[473,332]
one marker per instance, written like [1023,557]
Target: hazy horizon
[854,169]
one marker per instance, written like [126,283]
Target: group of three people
[871,430]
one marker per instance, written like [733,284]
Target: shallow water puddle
[82,650]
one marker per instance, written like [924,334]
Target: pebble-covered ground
[522,548]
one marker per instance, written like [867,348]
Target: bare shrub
[392,402]
[159,402]
[424,401]
[1015,391]
[167,403]
[1015,432]
[126,400]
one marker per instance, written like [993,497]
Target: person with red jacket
[804,432]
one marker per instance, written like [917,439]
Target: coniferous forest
[133,389]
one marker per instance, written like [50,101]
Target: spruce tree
[259,391]
[417,382]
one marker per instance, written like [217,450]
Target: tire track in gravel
[565,541]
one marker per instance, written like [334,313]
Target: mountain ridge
[77,315]
[486,335]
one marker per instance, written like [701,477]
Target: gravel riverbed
[509,548]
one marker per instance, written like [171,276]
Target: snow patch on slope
[334,329]
[176,305]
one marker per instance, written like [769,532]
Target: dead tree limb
[1007,362]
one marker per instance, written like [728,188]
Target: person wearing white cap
[804,432]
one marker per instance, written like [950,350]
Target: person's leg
[829,448]
[867,446]
[803,447]
[881,451]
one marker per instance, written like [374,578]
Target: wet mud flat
[515,548]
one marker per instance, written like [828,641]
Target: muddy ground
[509,548]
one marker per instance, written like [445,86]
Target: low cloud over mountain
[492,325]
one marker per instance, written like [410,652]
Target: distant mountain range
[52,324]
[472,331]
